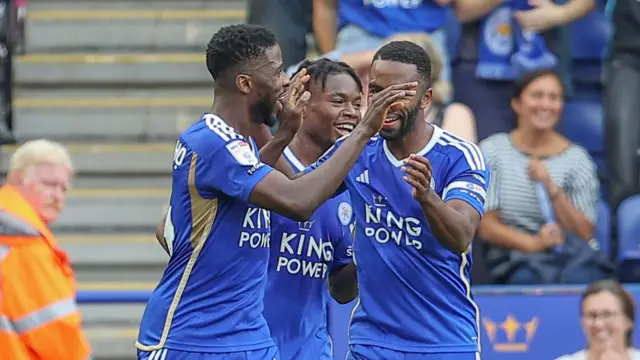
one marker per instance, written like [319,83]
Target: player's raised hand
[418,170]
[381,102]
[294,101]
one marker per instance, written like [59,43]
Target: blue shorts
[166,354]
[367,352]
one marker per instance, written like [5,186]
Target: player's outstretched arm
[454,221]
[297,199]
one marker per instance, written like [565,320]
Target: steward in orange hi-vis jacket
[39,318]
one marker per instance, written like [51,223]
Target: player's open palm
[294,101]
[418,170]
[381,102]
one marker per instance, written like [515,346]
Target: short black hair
[235,45]
[407,52]
[320,69]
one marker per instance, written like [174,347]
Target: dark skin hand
[454,222]
[290,111]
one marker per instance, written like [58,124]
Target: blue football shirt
[303,254]
[414,294]
[210,296]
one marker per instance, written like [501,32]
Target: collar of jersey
[437,132]
[293,159]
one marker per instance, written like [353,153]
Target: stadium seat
[583,124]
[603,227]
[629,239]
[589,39]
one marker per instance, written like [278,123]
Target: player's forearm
[271,152]
[343,284]
[451,228]
[319,185]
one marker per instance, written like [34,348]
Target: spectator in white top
[608,318]
[541,204]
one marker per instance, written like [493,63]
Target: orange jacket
[39,318]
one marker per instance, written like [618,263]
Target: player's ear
[244,82]
[427,97]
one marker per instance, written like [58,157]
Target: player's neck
[234,113]
[413,142]
[306,149]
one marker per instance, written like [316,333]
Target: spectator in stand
[621,105]
[39,318]
[289,20]
[348,26]
[499,40]
[608,317]
[524,246]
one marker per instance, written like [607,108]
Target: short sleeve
[232,165]
[469,182]
[343,244]
[491,157]
[584,188]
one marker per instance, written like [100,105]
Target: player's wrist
[430,198]
[363,131]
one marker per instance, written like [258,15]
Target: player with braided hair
[309,258]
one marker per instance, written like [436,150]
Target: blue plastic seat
[629,239]
[603,227]
[583,124]
[589,40]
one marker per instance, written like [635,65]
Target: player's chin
[390,132]
[340,132]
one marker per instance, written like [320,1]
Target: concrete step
[113,209]
[113,249]
[112,329]
[185,26]
[107,114]
[117,182]
[121,69]
[112,342]
[114,159]
[103,262]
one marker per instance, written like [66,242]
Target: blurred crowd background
[549,90]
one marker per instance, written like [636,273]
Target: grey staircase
[115,81]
